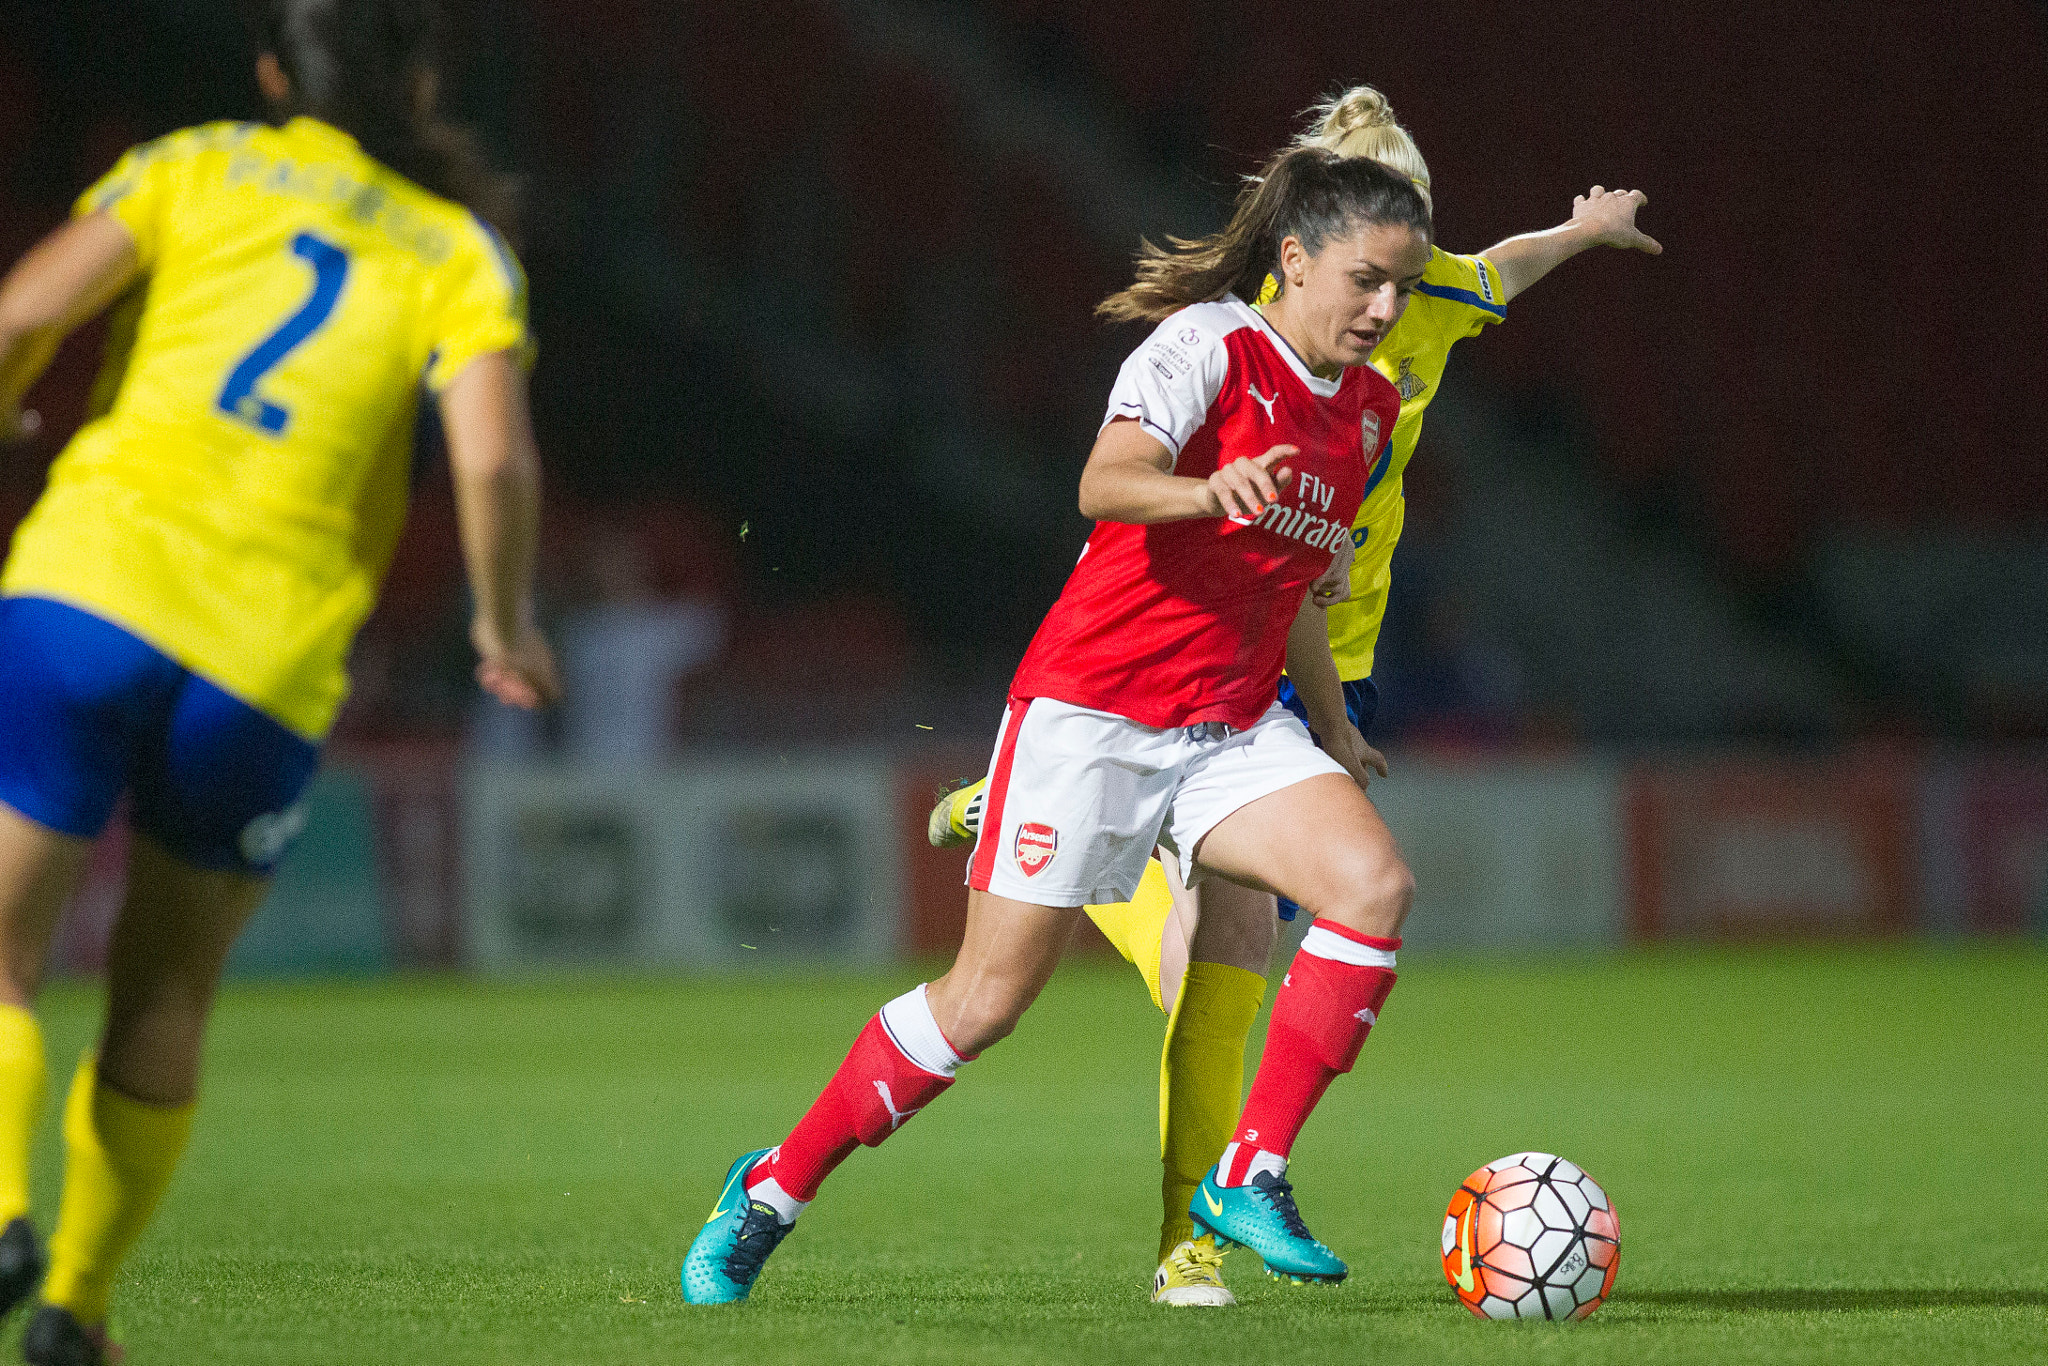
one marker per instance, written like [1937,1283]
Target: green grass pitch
[1818,1155]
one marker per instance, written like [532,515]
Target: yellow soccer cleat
[957,817]
[1192,1274]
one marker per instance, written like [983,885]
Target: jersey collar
[1320,387]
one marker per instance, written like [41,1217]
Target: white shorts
[1077,799]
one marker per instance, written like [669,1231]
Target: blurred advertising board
[1984,846]
[1508,853]
[1732,848]
[415,791]
[412,860]
[717,862]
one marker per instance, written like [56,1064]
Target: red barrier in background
[1772,849]
[416,804]
[1985,837]
[934,880]
[1874,843]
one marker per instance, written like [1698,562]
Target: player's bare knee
[1396,898]
[1377,901]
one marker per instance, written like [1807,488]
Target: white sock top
[1260,1161]
[915,1031]
[1323,942]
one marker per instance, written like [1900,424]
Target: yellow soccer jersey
[237,503]
[1458,296]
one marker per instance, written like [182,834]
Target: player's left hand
[1343,743]
[1334,586]
[1610,215]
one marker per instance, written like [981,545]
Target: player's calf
[899,1064]
[1328,1002]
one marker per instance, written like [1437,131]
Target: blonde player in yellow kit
[1211,987]
[176,610]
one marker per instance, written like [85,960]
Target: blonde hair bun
[1359,107]
[1360,122]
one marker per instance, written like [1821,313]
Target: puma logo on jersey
[1267,403]
[1366,1015]
[896,1116]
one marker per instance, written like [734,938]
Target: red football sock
[1326,1005]
[868,1098]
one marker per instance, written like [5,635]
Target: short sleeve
[1168,383]
[137,194]
[481,308]
[1471,284]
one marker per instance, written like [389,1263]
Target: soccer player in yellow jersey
[1211,986]
[176,610]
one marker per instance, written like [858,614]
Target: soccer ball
[1531,1237]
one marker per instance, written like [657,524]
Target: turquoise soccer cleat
[1261,1216]
[734,1243]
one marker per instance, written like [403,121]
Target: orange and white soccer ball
[1531,1237]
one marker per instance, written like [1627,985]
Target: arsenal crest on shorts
[1036,844]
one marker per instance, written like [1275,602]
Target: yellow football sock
[120,1154]
[1201,1082]
[23,1077]
[1135,926]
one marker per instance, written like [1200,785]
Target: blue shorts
[88,711]
[1361,700]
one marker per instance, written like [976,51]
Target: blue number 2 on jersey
[238,397]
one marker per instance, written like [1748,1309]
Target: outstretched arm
[1602,218]
[63,280]
[1129,479]
[496,464]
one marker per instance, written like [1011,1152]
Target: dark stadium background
[813,281]
[826,270]
[1715,683]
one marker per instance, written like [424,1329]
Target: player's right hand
[1334,585]
[1246,487]
[519,672]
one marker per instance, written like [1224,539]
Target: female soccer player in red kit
[1230,466]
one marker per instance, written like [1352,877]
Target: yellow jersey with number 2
[237,503]
[1458,296]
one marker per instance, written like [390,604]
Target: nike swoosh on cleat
[738,1179]
[1215,1205]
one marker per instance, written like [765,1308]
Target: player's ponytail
[1307,193]
[367,67]
[1360,123]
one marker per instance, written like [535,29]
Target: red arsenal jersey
[1182,622]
